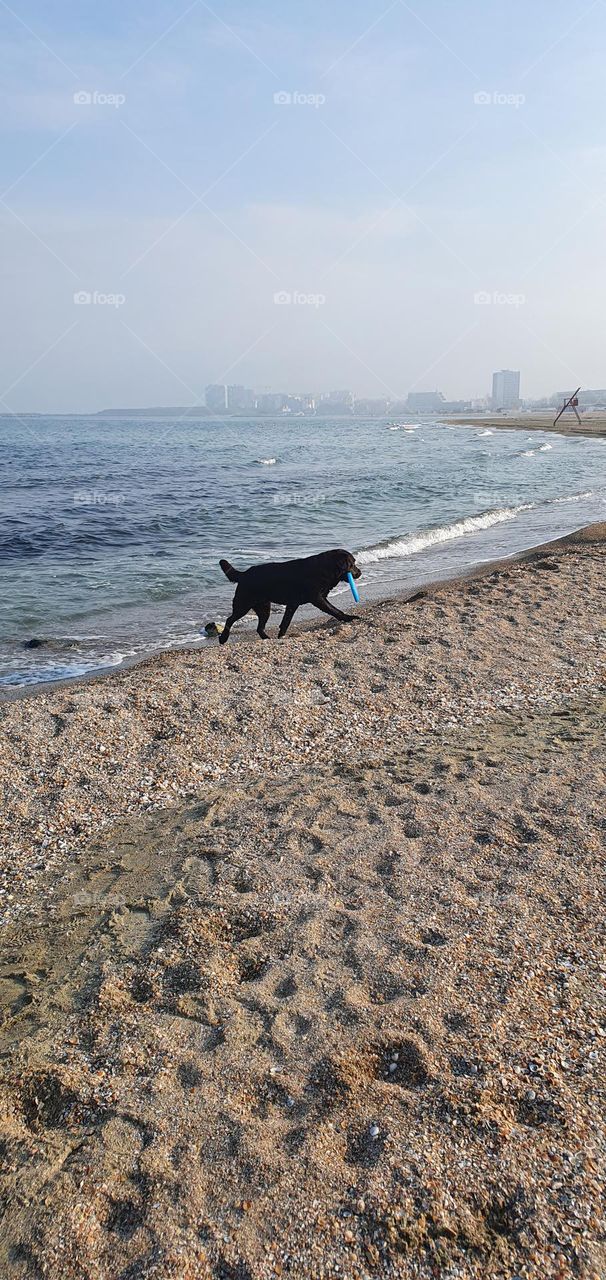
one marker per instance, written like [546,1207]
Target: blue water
[111,529]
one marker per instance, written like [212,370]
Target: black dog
[289,582]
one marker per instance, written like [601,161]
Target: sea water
[111,529]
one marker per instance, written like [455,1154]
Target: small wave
[486,433]
[21,675]
[530,453]
[575,497]
[265,462]
[414,542]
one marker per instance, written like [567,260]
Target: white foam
[575,497]
[265,462]
[486,433]
[530,453]
[425,538]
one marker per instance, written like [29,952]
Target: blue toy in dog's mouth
[354,589]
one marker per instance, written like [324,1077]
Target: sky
[378,196]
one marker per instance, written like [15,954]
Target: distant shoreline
[594,426]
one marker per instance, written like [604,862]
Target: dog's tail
[234,575]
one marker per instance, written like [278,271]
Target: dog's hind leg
[289,614]
[262,611]
[238,610]
[326,607]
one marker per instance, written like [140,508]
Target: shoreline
[126,727]
[534,422]
[15,693]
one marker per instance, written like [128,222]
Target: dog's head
[345,563]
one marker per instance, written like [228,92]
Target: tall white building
[506,389]
[216,398]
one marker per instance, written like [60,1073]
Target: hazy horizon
[421,187]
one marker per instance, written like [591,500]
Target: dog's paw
[224,637]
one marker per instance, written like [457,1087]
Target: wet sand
[302,969]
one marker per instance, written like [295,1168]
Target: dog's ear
[342,564]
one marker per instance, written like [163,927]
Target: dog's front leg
[322,603]
[238,610]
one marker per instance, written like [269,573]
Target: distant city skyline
[225,399]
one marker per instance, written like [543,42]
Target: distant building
[425,401]
[588,399]
[506,389]
[300,404]
[271,402]
[371,408]
[216,398]
[457,406]
[334,408]
[308,403]
[239,398]
[344,398]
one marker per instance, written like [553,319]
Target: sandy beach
[302,961]
[592,424]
